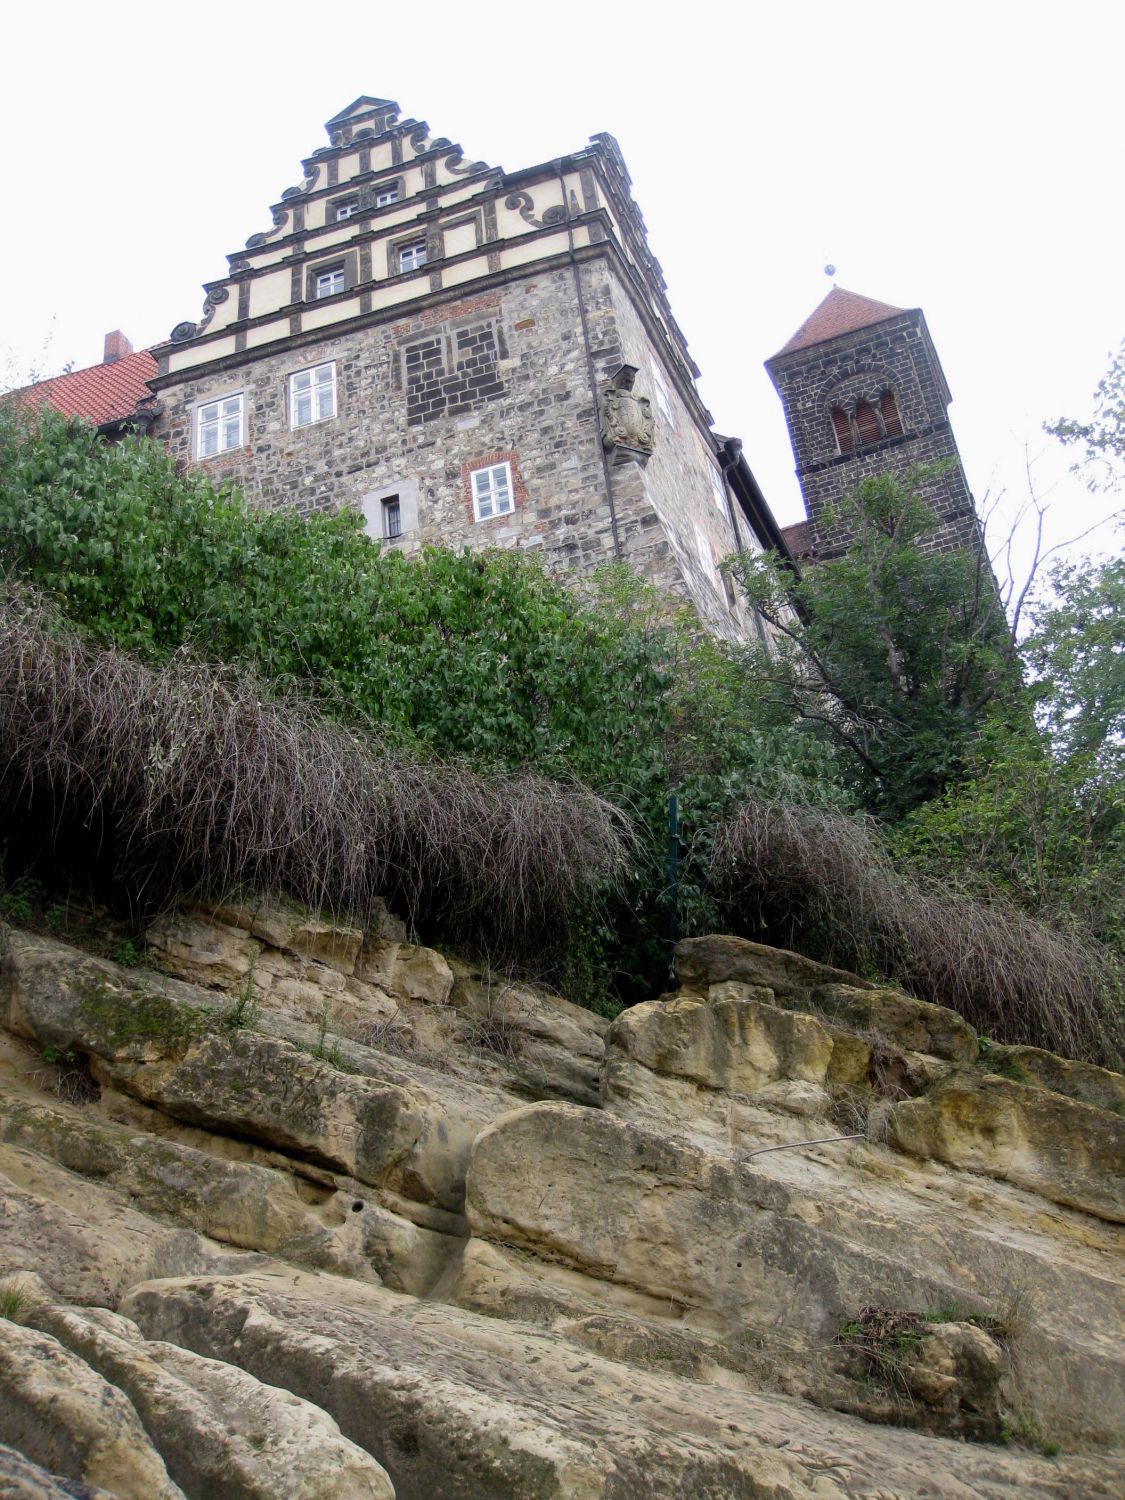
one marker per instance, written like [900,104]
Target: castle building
[864,393]
[470,357]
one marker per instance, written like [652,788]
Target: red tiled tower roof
[100,394]
[840,312]
[799,538]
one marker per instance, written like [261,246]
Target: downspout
[589,364]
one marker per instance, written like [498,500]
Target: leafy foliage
[1102,438]
[891,654]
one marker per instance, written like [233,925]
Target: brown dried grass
[826,882]
[201,782]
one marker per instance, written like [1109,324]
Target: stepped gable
[841,312]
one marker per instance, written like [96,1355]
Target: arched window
[891,419]
[867,423]
[845,440]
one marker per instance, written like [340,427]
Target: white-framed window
[344,208]
[218,426]
[312,395]
[718,489]
[706,555]
[492,492]
[392,517]
[410,257]
[328,282]
[660,388]
[385,195]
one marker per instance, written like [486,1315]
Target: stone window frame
[198,424]
[313,421]
[346,261]
[340,210]
[396,185]
[405,491]
[706,553]
[402,243]
[391,517]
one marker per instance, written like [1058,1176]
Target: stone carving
[456,162]
[526,206]
[215,297]
[182,332]
[627,421]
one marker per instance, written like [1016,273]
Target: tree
[1102,438]
[893,653]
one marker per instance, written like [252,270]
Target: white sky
[964,158]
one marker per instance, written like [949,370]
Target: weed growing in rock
[14,1301]
[246,1010]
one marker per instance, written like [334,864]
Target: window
[845,439]
[312,395]
[219,426]
[343,208]
[706,555]
[492,492]
[385,195]
[392,518]
[718,488]
[410,257]
[660,386]
[891,419]
[328,282]
[867,423]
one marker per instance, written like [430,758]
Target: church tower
[864,393]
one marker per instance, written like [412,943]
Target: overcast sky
[964,158]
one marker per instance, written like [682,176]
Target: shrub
[826,882]
[198,780]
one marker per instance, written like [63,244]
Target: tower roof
[840,312]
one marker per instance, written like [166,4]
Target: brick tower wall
[895,355]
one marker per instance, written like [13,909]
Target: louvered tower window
[867,423]
[891,419]
[845,441]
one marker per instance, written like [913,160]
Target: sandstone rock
[551,1047]
[219,1430]
[85,1240]
[914,1025]
[1069,1152]
[271,1091]
[235,1202]
[458,1406]
[20,1479]
[705,961]
[732,1045]
[292,929]
[957,1372]
[1078,1080]
[57,997]
[202,951]
[64,1417]
[403,969]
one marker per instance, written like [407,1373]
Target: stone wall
[500,376]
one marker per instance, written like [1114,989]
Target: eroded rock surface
[317,1202]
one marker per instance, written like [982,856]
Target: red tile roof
[100,394]
[798,538]
[840,312]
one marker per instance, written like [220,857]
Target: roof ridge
[840,312]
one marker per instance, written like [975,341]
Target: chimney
[117,346]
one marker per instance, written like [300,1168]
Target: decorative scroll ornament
[280,220]
[526,205]
[627,421]
[418,138]
[182,332]
[215,298]
[456,163]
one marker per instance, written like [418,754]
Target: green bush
[480,656]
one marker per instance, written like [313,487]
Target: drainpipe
[589,364]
